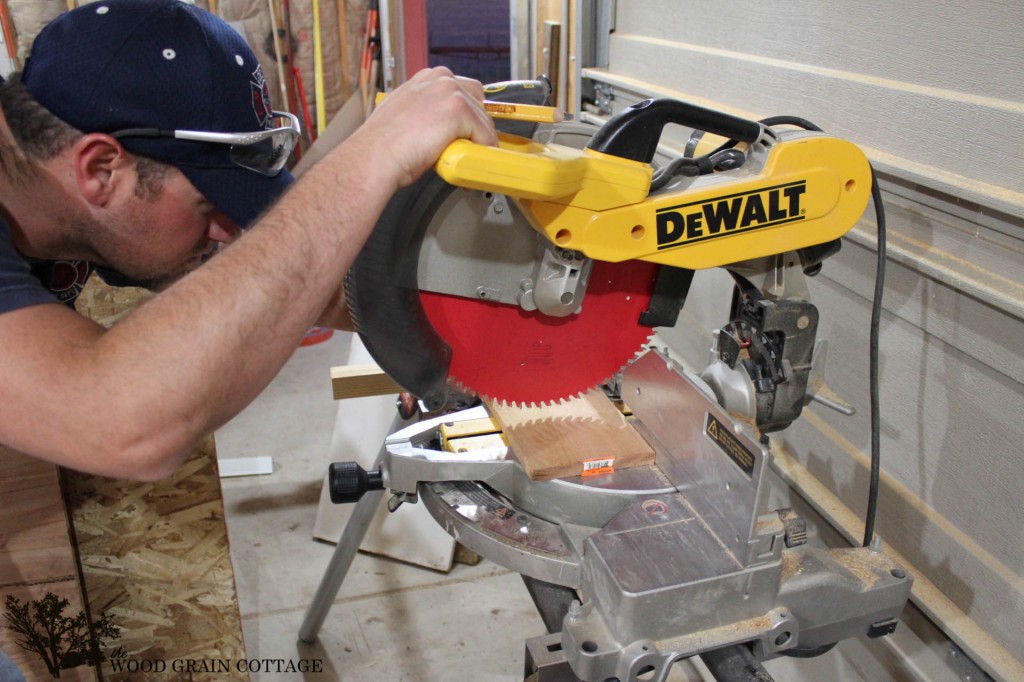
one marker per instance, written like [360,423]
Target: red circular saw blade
[509,354]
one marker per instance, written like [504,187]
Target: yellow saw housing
[811,189]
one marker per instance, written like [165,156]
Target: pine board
[572,437]
[361,381]
[36,554]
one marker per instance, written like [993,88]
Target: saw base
[669,560]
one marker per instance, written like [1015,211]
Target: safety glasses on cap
[263,151]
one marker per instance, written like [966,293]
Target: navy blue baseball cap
[161,65]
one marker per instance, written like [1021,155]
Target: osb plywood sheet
[155,559]
[155,556]
[36,555]
[106,304]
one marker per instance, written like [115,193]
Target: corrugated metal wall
[935,96]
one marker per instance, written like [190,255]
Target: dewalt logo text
[730,214]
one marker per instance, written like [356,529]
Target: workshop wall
[341,25]
[935,98]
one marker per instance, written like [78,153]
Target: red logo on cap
[261,98]
[67,279]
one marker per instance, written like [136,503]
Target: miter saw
[533,271]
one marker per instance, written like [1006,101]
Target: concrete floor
[391,620]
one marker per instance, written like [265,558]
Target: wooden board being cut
[585,435]
[360,381]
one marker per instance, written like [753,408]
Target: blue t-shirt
[25,282]
[8,671]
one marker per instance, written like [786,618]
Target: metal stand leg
[552,601]
[546,662]
[735,664]
[344,553]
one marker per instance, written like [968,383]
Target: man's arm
[131,401]
[337,315]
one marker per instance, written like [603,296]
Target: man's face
[163,235]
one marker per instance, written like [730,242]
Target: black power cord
[873,341]
[876,305]
[876,318]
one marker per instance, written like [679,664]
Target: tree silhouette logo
[61,641]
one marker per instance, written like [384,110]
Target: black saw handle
[634,132]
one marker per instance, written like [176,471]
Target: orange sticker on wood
[596,467]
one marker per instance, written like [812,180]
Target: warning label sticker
[594,467]
[730,444]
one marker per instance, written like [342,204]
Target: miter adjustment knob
[348,481]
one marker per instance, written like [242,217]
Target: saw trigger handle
[634,132]
[347,481]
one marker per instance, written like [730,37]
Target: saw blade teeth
[468,391]
[636,356]
[541,404]
[352,303]
[523,405]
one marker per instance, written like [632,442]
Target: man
[107,157]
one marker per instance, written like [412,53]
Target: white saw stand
[361,426]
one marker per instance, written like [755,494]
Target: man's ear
[101,165]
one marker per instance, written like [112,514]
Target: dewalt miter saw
[536,270]
[533,271]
